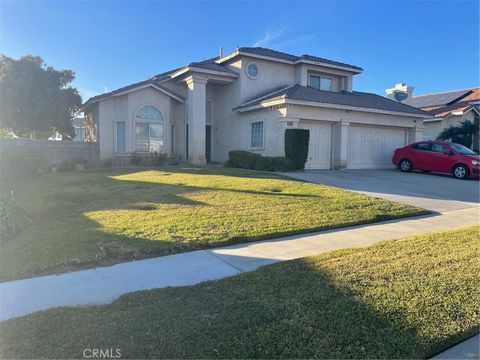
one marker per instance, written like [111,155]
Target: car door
[442,158]
[420,155]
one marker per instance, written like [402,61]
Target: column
[340,145]
[415,134]
[196,115]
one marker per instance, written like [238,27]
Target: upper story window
[320,82]
[149,130]
[252,70]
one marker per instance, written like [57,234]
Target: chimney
[401,93]
[221,52]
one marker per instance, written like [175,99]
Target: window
[422,146]
[149,130]
[209,112]
[438,148]
[462,149]
[320,82]
[257,135]
[172,139]
[252,70]
[120,137]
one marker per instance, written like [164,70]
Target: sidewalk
[104,285]
[466,350]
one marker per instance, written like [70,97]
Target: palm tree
[461,133]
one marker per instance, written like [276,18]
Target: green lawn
[407,298]
[81,219]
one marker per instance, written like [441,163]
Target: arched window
[149,130]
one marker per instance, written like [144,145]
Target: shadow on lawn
[289,310]
[100,190]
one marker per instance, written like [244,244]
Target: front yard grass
[407,298]
[82,219]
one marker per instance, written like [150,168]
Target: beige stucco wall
[124,108]
[433,128]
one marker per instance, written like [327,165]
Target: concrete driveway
[435,192]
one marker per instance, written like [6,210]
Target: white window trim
[321,76]
[258,70]
[164,122]
[115,137]
[258,148]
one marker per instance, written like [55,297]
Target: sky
[431,45]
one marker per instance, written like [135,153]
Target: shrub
[157,159]
[242,159]
[12,218]
[281,163]
[296,146]
[264,163]
[135,159]
[274,163]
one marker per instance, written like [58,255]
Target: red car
[438,156]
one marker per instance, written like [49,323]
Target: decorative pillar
[196,115]
[415,134]
[340,145]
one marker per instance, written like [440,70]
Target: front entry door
[208,142]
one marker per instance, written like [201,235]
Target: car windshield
[462,149]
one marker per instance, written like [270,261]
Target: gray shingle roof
[132,86]
[284,56]
[354,99]
[212,66]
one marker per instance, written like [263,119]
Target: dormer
[323,74]
[262,70]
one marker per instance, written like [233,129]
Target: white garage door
[319,148]
[372,147]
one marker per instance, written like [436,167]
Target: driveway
[435,192]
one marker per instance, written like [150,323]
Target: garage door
[372,147]
[319,148]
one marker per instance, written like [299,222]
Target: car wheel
[405,165]
[460,172]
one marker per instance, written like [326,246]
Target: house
[79,128]
[246,100]
[449,108]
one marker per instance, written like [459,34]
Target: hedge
[274,163]
[248,160]
[242,159]
[296,146]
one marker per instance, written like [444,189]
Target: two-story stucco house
[246,100]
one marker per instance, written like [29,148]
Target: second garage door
[372,147]
[319,148]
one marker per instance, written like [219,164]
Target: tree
[36,100]
[461,133]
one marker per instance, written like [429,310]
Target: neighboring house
[448,108]
[79,128]
[246,100]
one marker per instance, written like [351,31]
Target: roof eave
[202,71]
[276,102]
[355,70]
[136,88]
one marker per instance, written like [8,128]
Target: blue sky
[432,45]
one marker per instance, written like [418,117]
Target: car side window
[438,148]
[422,146]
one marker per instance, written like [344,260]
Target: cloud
[277,39]
[269,37]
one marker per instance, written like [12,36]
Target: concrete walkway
[466,350]
[104,285]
